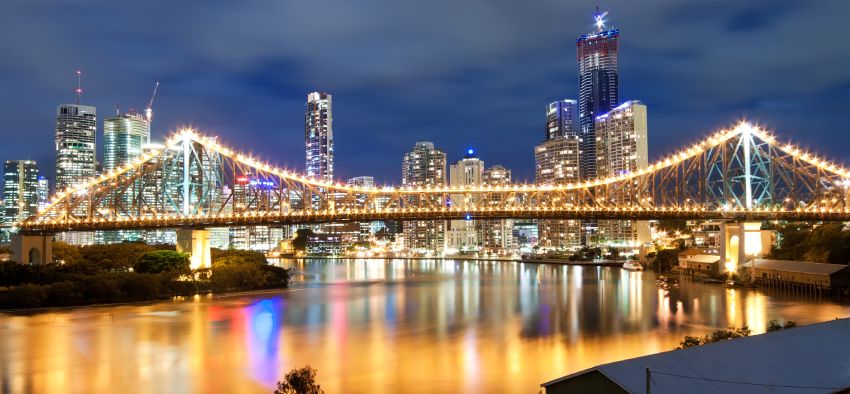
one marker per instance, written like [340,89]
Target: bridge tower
[740,242]
[195,243]
[32,249]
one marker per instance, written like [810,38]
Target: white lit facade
[557,163]
[461,235]
[423,166]
[20,190]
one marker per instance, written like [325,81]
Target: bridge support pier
[741,241]
[32,249]
[196,243]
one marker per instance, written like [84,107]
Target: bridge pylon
[32,248]
[741,241]
[195,243]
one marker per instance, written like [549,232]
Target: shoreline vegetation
[131,272]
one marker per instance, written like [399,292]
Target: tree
[230,257]
[299,381]
[665,260]
[116,257]
[162,261]
[301,236]
[717,336]
[774,325]
[66,253]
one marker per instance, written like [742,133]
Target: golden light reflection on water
[377,326]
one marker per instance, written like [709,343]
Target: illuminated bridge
[194,182]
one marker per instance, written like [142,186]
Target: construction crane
[149,109]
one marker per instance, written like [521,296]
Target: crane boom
[149,109]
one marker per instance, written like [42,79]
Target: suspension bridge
[193,182]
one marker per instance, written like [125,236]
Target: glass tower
[75,144]
[598,87]
[124,137]
[561,119]
[319,136]
[20,190]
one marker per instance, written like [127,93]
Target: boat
[632,266]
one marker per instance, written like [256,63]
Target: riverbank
[606,263]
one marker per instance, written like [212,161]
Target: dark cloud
[470,73]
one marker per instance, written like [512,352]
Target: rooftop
[809,359]
[797,266]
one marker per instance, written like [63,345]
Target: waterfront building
[20,190]
[496,235]
[366,228]
[462,235]
[557,163]
[251,193]
[621,148]
[562,119]
[424,165]
[319,136]
[43,192]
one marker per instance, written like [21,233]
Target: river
[375,326]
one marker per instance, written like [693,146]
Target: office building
[319,136]
[462,235]
[621,148]
[20,190]
[76,134]
[557,163]
[562,119]
[424,166]
[124,137]
[596,54]
[43,192]
[366,229]
[496,235]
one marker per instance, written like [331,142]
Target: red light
[242,179]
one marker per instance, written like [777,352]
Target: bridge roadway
[262,218]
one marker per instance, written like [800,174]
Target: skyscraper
[562,119]
[20,190]
[424,166]
[124,136]
[319,136]
[622,148]
[43,192]
[76,130]
[461,235]
[496,235]
[557,163]
[596,54]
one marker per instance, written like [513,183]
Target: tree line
[130,272]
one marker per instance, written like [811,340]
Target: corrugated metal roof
[810,356]
[797,266]
[703,258]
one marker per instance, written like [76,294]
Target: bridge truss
[195,182]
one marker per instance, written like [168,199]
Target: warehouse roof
[810,359]
[797,266]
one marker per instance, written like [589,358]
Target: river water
[375,326]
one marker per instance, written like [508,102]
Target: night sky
[470,73]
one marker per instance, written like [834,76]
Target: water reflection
[382,326]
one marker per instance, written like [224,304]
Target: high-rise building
[319,136]
[598,86]
[424,166]
[462,235]
[562,119]
[43,192]
[362,181]
[124,137]
[76,133]
[366,228]
[496,235]
[621,148]
[20,190]
[557,163]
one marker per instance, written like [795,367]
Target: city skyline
[377,121]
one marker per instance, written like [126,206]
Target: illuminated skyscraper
[496,235]
[461,235]
[424,166]
[557,163]
[562,119]
[124,136]
[598,86]
[621,148]
[43,192]
[76,133]
[319,136]
[20,190]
